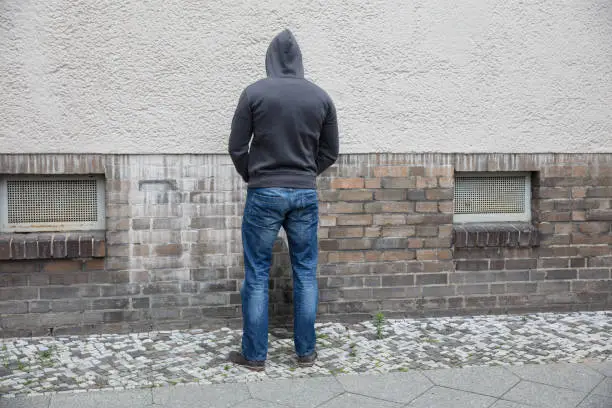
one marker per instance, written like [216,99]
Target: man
[284,134]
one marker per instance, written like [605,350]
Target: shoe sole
[258,369]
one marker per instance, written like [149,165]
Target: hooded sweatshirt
[284,131]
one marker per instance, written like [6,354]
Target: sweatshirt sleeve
[240,136]
[328,141]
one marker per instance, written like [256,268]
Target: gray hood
[284,58]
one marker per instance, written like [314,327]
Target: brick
[486,277]
[118,238]
[555,216]
[432,279]
[521,287]
[398,183]
[390,195]
[446,207]
[140,302]
[59,246]
[472,265]
[94,265]
[166,301]
[603,192]
[426,182]
[426,207]
[390,243]
[352,244]
[169,250]
[389,219]
[118,250]
[480,301]
[601,261]
[356,294]
[207,222]
[329,295]
[121,289]
[578,215]
[391,171]
[5,248]
[438,291]
[546,263]
[553,193]
[426,255]
[426,231]
[38,306]
[346,232]
[73,278]
[167,223]
[344,257]
[372,183]
[62,266]
[415,243]
[446,182]
[438,266]
[521,264]
[398,255]
[347,183]
[594,274]
[398,280]
[372,232]
[160,288]
[72,305]
[399,232]
[553,287]
[439,194]
[73,247]
[588,251]
[561,274]
[354,220]
[99,249]
[395,292]
[341,208]
[59,292]
[445,254]
[99,304]
[389,207]
[328,245]
[13,307]
[141,223]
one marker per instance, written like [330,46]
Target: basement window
[487,197]
[51,203]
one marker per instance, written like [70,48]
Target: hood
[284,58]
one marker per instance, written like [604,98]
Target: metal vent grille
[490,195]
[52,201]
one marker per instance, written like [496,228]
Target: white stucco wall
[162,76]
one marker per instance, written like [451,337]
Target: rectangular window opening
[51,203]
[492,197]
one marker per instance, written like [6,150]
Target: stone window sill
[500,235]
[44,245]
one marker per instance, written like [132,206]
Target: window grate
[490,195]
[52,201]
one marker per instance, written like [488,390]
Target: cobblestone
[56,364]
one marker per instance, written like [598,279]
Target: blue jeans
[266,210]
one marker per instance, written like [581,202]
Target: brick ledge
[44,245]
[483,235]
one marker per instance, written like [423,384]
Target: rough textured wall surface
[163,76]
[387,243]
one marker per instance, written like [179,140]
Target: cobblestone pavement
[46,365]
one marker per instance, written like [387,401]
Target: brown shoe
[237,358]
[307,361]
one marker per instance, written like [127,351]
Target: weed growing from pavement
[379,322]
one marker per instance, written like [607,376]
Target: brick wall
[387,243]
